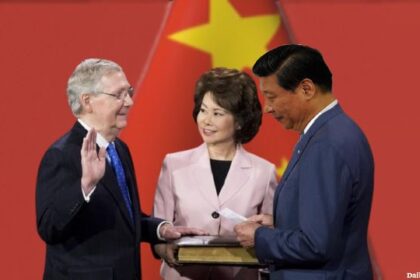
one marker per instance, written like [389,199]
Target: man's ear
[308,87]
[86,102]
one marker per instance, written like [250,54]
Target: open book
[220,250]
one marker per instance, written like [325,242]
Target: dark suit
[322,206]
[95,240]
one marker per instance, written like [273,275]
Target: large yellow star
[231,40]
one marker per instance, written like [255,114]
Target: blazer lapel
[110,182]
[297,152]
[203,177]
[301,146]
[237,176]
[131,182]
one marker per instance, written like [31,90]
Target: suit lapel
[203,177]
[237,176]
[301,146]
[295,157]
[111,184]
[297,152]
[132,185]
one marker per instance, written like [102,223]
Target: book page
[207,240]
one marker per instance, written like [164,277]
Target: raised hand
[93,162]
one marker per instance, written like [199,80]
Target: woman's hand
[166,252]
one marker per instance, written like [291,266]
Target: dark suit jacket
[322,206]
[94,240]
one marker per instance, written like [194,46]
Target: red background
[371,46]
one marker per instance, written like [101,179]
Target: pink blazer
[186,195]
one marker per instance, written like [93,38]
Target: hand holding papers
[245,231]
[263,219]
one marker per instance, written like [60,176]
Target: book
[220,250]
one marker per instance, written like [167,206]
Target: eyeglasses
[121,95]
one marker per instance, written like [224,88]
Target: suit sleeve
[164,204]
[267,205]
[58,195]
[324,189]
[149,227]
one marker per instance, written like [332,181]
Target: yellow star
[231,40]
[282,167]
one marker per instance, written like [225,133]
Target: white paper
[195,240]
[212,240]
[232,216]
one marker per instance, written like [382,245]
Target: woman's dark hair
[236,92]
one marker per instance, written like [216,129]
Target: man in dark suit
[88,210]
[323,202]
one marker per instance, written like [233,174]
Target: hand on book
[245,232]
[166,252]
[170,232]
[263,219]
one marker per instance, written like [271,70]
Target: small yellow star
[231,40]
[282,167]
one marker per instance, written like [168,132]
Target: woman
[194,185]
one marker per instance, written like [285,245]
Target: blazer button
[215,215]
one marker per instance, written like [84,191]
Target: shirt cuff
[87,196]
[158,230]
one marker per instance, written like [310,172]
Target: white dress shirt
[328,107]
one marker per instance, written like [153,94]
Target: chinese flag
[198,35]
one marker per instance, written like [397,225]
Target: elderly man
[321,207]
[88,210]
